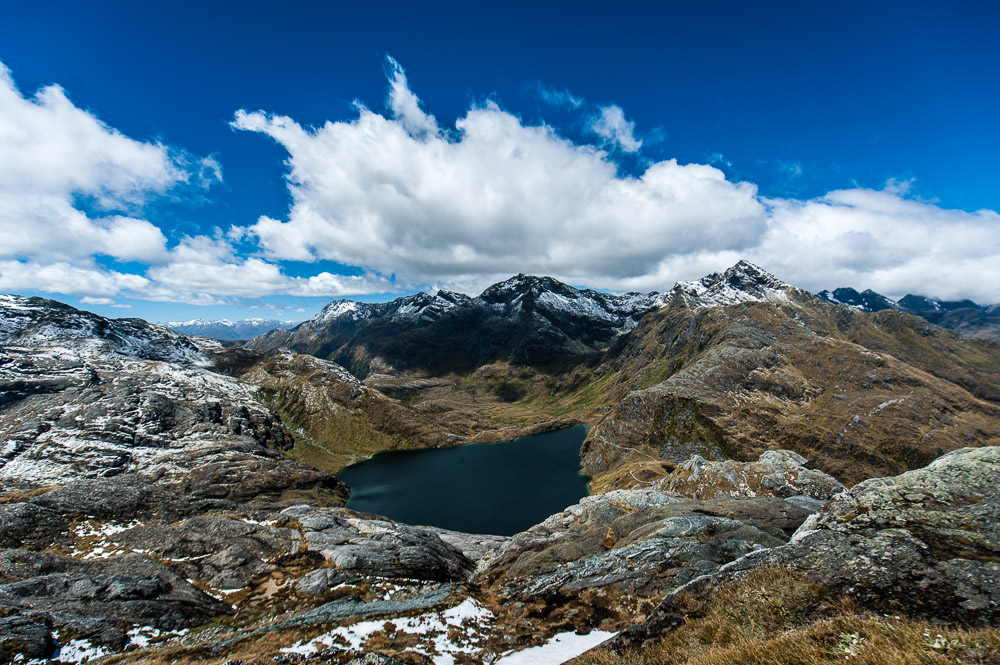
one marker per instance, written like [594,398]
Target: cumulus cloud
[494,196]
[612,125]
[880,239]
[53,155]
[410,202]
[405,105]
[69,184]
[206,266]
[62,277]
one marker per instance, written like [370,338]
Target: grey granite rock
[320,580]
[779,473]
[25,635]
[925,543]
[378,547]
[641,542]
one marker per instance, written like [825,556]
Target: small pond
[498,488]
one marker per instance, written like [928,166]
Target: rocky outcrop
[88,397]
[636,542]
[780,473]
[378,547]
[925,543]
[91,600]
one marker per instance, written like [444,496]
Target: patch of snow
[881,406]
[433,627]
[78,651]
[559,649]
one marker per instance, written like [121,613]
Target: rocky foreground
[166,499]
[124,565]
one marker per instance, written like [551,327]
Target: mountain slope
[535,321]
[82,396]
[859,394]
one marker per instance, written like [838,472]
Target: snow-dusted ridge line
[64,331]
[224,322]
[743,282]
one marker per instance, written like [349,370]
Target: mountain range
[174,498]
[963,316]
[228,330]
[526,320]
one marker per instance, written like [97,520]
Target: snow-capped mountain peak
[743,282]
[864,301]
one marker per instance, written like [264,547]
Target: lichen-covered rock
[643,542]
[777,473]
[94,599]
[925,543]
[379,547]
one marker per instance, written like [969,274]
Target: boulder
[643,542]
[777,473]
[378,547]
[925,543]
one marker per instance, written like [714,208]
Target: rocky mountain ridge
[862,394]
[84,396]
[525,320]
[963,316]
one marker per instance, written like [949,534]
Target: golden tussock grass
[775,617]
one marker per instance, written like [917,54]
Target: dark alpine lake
[498,488]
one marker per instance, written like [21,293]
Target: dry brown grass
[775,617]
[16,496]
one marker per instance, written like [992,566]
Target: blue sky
[614,147]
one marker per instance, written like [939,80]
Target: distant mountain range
[965,317]
[228,330]
[527,320]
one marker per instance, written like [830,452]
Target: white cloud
[405,105]
[612,125]
[54,155]
[495,198]
[63,277]
[411,202]
[881,240]
[459,208]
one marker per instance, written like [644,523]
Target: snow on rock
[39,324]
[434,633]
[559,649]
[744,282]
